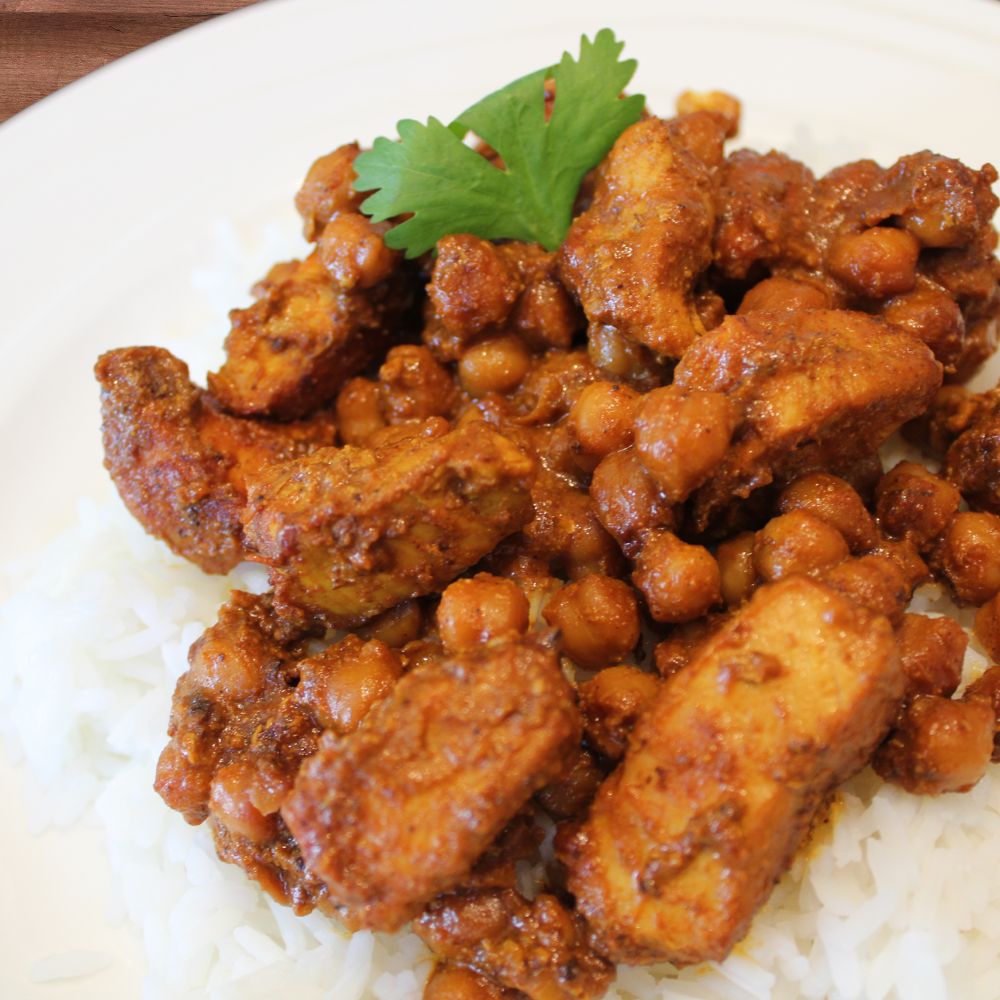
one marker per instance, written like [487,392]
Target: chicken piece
[479,289]
[290,351]
[539,947]
[350,533]
[464,740]
[633,257]
[245,715]
[726,770]
[327,189]
[973,460]
[819,390]
[178,462]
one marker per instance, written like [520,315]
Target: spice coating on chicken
[819,389]
[632,258]
[351,532]
[179,463]
[725,770]
[399,811]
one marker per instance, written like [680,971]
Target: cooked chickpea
[602,416]
[352,249]
[359,411]
[598,620]
[969,556]
[611,703]
[678,649]
[455,982]
[480,608]
[681,435]
[911,502]
[627,501]
[570,794]
[985,689]
[783,293]
[932,651]
[343,682]
[620,357]
[495,365]
[906,557]
[938,745]
[797,542]
[328,188]
[735,559]
[718,102]
[835,501]
[873,582]
[680,582]
[931,315]
[987,627]
[231,802]
[877,263]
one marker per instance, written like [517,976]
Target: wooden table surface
[45,44]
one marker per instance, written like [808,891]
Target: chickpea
[739,578]
[938,745]
[455,982]
[835,501]
[622,358]
[797,542]
[680,582]
[873,582]
[352,249]
[359,411]
[930,314]
[969,556]
[987,627]
[913,503]
[627,501]
[876,263]
[496,365]
[783,293]
[472,286]
[598,620]
[679,648]
[341,684]
[570,795]
[414,385]
[932,651]
[907,559]
[396,627]
[231,802]
[602,416]
[986,690]
[479,609]
[611,703]
[718,102]
[681,436]
[546,316]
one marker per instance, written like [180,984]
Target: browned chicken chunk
[350,533]
[633,257]
[399,811]
[179,463]
[246,714]
[819,389]
[314,326]
[725,770]
[538,947]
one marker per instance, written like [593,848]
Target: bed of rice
[898,896]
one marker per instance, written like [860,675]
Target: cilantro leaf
[446,187]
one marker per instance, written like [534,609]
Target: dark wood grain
[45,44]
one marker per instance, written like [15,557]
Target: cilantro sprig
[447,187]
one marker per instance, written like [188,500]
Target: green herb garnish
[450,188]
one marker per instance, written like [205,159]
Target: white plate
[111,189]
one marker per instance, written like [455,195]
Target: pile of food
[588,587]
